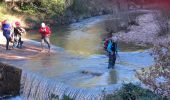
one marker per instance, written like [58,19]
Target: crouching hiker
[18,32]
[7,33]
[111,47]
[45,36]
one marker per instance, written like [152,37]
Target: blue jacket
[112,47]
[109,47]
[5,30]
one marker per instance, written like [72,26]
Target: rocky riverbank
[151,32]
[145,33]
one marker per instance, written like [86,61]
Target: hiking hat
[17,23]
[43,25]
[4,21]
[114,39]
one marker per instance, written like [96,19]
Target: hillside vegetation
[54,11]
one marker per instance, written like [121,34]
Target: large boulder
[9,80]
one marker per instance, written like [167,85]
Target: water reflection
[85,40]
[83,43]
[112,76]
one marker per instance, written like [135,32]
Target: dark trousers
[46,40]
[7,41]
[112,60]
[20,42]
[17,42]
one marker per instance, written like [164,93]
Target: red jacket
[45,31]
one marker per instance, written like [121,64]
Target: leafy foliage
[28,9]
[79,7]
[56,97]
[54,7]
[66,98]
[134,92]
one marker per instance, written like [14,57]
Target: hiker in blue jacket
[6,28]
[112,52]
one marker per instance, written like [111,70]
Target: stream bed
[79,70]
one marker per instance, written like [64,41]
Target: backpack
[114,47]
[109,44]
[106,42]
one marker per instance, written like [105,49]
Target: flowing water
[80,70]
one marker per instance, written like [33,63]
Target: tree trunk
[13,3]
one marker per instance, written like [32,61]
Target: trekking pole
[118,58]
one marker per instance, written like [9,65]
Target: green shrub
[56,97]
[54,7]
[66,98]
[48,7]
[134,92]
[29,9]
[79,7]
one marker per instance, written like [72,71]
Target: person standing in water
[112,50]
[45,36]
[110,46]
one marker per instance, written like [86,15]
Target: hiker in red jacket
[45,35]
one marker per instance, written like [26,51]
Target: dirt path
[30,50]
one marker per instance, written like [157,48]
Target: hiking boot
[43,50]
[112,67]
[8,49]
[21,42]
[18,46]
[49,51]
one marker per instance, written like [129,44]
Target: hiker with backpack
[7,32]
[110,46]
[18,32]
[45,36]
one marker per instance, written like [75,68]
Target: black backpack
[114,46]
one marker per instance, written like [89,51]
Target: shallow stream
[81,63]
